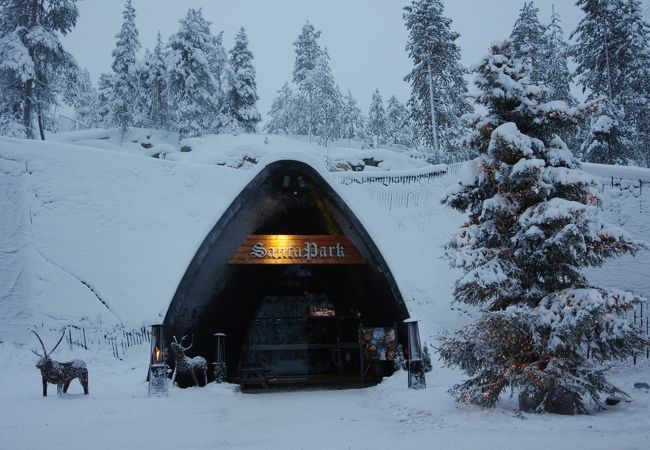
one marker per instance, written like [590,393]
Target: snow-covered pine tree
[327,100]
[398,127]
[438,87]
[154,105]
[612,53]
[351,119]
[399,362]
[104,92]
[308,55]
[142,99]
[33,63]
[86,105]
[218,60]
[376,124]
[642,125]
[556,75]
[636,102]
[281,114]
[193,88]
[529,40]
[11,123]
[544,329]
[241,98]
[427,366]
[604,49]
[608,141]
[125,83]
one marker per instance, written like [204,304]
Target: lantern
[220,370]
[415,366]
[158,384]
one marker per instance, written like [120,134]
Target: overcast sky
[365,38]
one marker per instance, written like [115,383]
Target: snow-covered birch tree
[544,328]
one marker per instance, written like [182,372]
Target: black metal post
[158,384]
[416,376]
[220,369]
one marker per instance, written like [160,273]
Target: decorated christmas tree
[544,328]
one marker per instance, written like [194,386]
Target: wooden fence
[117,340]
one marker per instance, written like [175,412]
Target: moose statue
[60,373]
[186,366]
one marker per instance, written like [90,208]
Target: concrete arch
[286,197]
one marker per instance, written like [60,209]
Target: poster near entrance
[379,344]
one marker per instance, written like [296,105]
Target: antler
[57,344]
[42,345]
[186,348]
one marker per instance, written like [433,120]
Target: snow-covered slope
[97,238]
[241,151]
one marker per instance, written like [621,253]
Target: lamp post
[415,366]
[220,370]
[158,384]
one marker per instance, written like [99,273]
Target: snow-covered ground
[97,234]
[118,415]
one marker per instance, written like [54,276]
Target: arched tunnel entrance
[293,279]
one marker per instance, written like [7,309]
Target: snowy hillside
[101,237]
[96,238]
[241,152]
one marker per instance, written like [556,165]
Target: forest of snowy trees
[190,84]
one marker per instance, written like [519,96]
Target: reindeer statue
[59,373]
[184,365]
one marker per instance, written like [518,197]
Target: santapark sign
[297,249]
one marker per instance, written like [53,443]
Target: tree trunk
[27,109]
[39,115]
[309,98]
[29,85]
[608,67]
[434,128]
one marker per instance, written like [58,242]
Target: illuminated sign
[297,249]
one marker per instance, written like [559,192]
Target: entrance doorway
[303,333]
[295,281]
